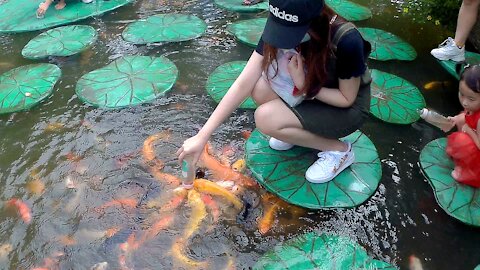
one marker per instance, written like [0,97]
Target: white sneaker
[278,145]
[329,165]
[87,1]
[448,50]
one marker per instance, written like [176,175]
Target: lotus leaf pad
[164,28]
[470,58]
[26,86]
[237,6]
[127,81]
[19,15]
[222,78]
[283,173]
[349,10]
[458,200]
[248,31]
[394,100]
[61,41]
[312,251]
[387,46]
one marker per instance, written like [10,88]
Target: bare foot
[42,8]
[251,2]
[456,173]
[60,5]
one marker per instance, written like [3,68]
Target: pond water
[100,152]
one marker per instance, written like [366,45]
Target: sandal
[251,2]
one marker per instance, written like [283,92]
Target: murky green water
[99,150]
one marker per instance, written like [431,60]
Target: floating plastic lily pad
[248,31]
[19,15]
[127,81]
[312,251]
[394,100]
[164,28]
[237,6]
[283,173]
[458,200]
[349,10]
[387,46]
[26,86]
[222,78]
[470,57]
[61,41]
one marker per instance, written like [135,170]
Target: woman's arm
[238,92]
[343,97]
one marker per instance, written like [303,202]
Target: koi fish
[5,249]
[268,219]
[180,256]
[100,266]
[36,186]
[155,229]
[246,134]
[239,165]
[173,203]
[130,244]
[214,209]
[67,240]
[156,171]
[222,172]
[127,202]
[72,157]
[199,212]
[209,187]
[148,149]
[414,263]
[22,208]
[54,126]
[434,85]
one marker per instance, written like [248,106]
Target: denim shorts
[333,122]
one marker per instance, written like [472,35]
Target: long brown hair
[315,52]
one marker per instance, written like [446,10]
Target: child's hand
[295,68]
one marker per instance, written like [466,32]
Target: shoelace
[446,42]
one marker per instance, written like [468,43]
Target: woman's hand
[192,147]
[295,68]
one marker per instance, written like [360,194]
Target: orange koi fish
[156,171]
[177,252]
[434,85]
[222,172]
[22,208]
[268,219]
[155,229]
[246,134]
[209,187]
[148,150]
[214,209]
[130,244]
[72,157]
[127,202]
[36,186]
[54,126]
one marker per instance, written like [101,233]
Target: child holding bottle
[464,145]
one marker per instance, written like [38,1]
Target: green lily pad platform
[222,78]
[26,86]
[237,6]
[164,28]
[20,15]
[458,200]
[349,10]
[387,46]
[470,57]
[127,81]
[248,31]
[312,251]
[394,100]
[61,41]
[283,173]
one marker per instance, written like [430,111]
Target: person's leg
[61,5]
[275,119]
[467,16]
[262,92]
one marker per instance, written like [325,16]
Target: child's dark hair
[471,76]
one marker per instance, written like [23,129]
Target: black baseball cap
[289,20]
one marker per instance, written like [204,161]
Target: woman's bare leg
[262,92]
[275,119]
[467,16]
